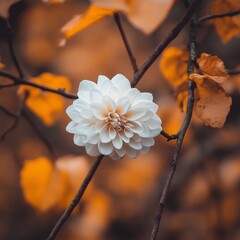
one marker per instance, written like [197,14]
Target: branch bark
[126,43]
[218,15]
[181,133]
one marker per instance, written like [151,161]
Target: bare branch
[169,137]
[181,132]
[7,85]
[125,40]
[218,15]
[36,130]
[22,81]
[16,118]
[14,57]
[76,199]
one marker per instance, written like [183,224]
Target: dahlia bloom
[111,118]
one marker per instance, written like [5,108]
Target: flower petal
[135,114]
[105,148]
[71,127]
[147,142]
[92,150]
[109,104]
[104,134]
[79,140]
[99,111]
[112,132]
[135,145]
[121,82]
[121,152]
[86,85]
[117,142]
[102,79]
[123,105]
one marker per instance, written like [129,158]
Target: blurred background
[203,202]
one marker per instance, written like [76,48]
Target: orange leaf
[80,22]
[46,105]
[4,7]
[42,185]
[213,67]
[213,104]
[46,186]
[173,66]
[227,27]
[143,14]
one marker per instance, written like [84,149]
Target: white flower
[111,118]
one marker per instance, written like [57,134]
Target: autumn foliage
[48,47]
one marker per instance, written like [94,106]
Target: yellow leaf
[42,186]
[227,27]
[46,185]
[80,22]
[46,105]
[4,7]
[173,66]
[212,103]
[213,67]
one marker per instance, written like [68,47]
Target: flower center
[116,120]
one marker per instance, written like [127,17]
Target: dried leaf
[80,22]
[227,27]
[46,105]
[46,185]
[173,66]
[143,14]
[4,7]
[213,67]
[212,104]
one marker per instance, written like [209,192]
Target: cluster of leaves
[212,103]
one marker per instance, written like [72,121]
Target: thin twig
[36,130]
[164,43]
[6,111]
[169,137]
[125,40]
[14,58]
[138,75]
[22,81]
[7,85]
[181,132]
[76,199]
[217,15]
[16,118]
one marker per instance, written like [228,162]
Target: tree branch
[218,15]
[22,81]
[126,43]
[38,133]
[15,116]
[169,137]
[76,199]
[181,133]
